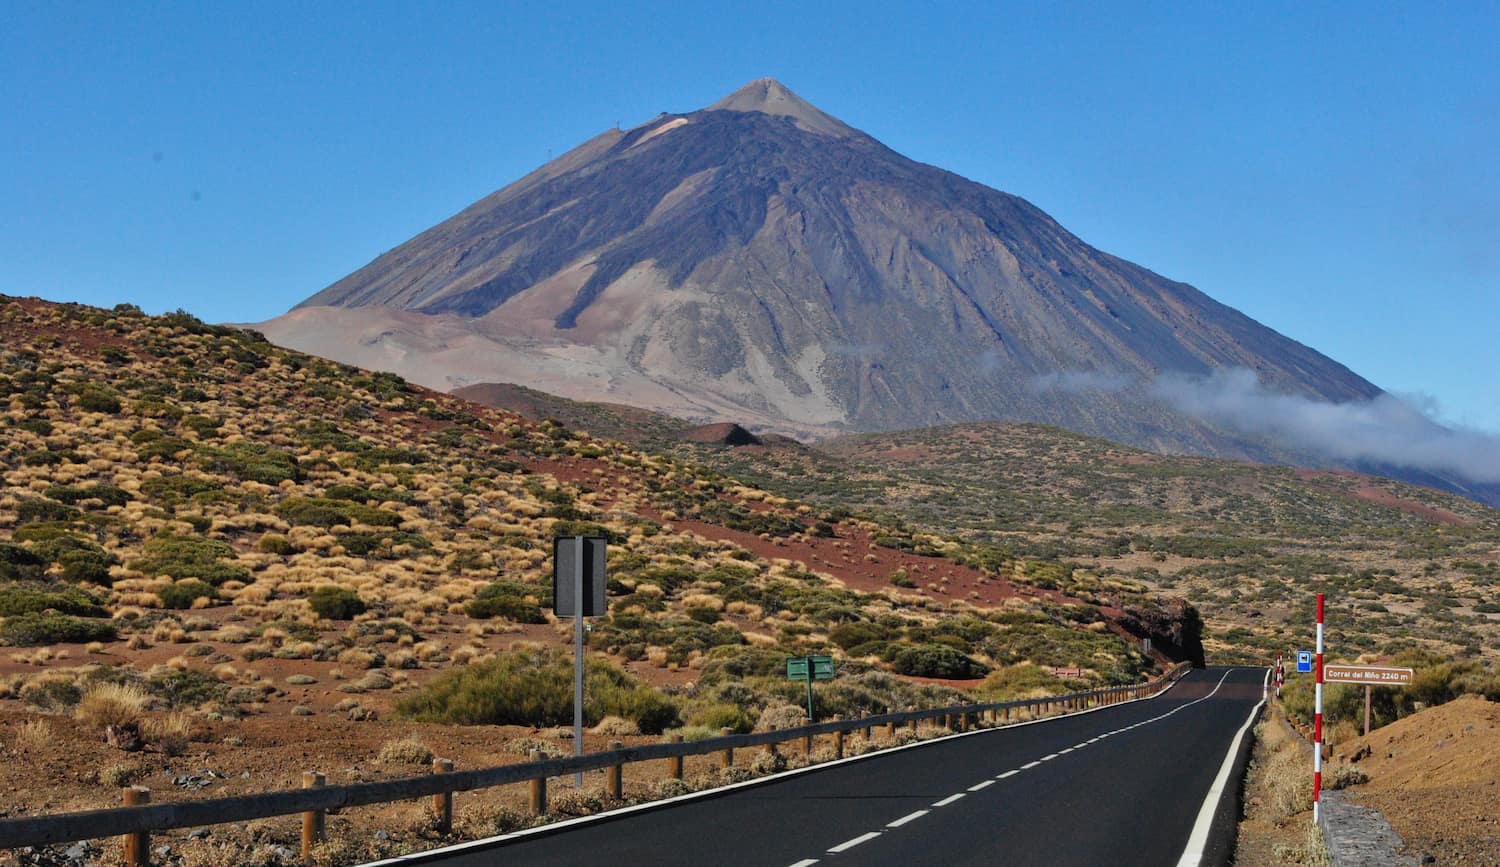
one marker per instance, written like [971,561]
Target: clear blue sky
[1331,170]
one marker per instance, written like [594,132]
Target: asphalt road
[1122,786]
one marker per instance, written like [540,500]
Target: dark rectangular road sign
[565,556]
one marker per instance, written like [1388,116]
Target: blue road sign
[1304,661]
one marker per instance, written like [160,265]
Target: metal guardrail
[315,799]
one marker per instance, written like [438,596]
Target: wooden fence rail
[316,799]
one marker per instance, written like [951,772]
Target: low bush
[938,660]
[30,630]
[190,557]
[720,716]
[110,495]
[324,512]
[183,593]
[507,599]
[536,689]
[336,603]
[95,399]
[49,597]
[188,687]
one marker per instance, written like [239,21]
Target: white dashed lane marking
[1029,765]
[850,844]
[1008,774]
[909,817]
[805,862]
[977,786]
[948,800]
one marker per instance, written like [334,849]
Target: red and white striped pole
[1318,717]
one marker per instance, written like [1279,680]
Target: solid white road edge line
[1192,856]
[850,844]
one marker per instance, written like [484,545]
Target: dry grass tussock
[112,704]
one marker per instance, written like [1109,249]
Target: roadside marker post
[1318,718]
[578,584]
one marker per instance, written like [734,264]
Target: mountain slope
[761,261]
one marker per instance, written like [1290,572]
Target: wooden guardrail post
[838,744]
[614,785]
[771,747]
[890,730]
[807,745]
[726,758]
[442,802]
[865,733]
[138,845]
[313,821]
[912,725]
[674,764]
[538,788]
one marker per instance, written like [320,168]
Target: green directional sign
[820,667]
[797,667]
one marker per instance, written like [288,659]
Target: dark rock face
[1175,628]
[770,259]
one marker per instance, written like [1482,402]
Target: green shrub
[850,635]
[182,593]
[96,399]
[171,490]
[190,557]
[382,544]
[938,660]
[54,597]
[335,603]
[716,717]
[517,608]
[45,510]
[251,462]
[110,495]
[19,563]
[275,544]
[28,630]
[536,689]
[323,512]
[186,688]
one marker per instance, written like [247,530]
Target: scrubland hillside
[215,548]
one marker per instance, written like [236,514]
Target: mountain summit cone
[769,96]
[760,261]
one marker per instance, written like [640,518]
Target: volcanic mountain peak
[769,96]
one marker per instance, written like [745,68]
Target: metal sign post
[578,658]
[578,584]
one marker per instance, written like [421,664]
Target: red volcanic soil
[1381,497]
